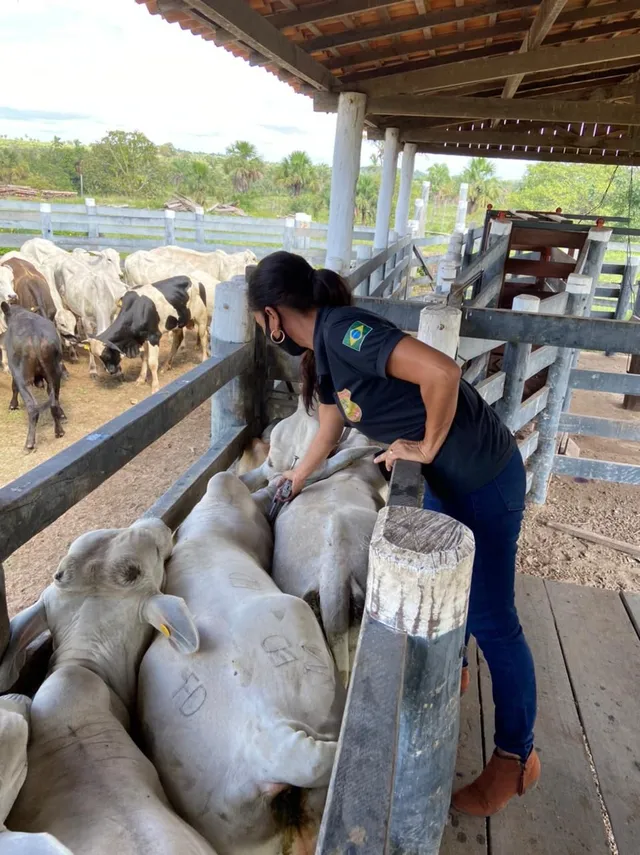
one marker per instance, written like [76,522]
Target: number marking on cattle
[278,649]
[195,695]
[244,580]
[317,665]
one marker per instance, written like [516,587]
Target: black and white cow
[146,313]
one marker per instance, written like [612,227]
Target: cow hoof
[154,390]
[29,448]
[59,433]
[140,382]
[13,407]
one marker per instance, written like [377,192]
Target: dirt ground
[120,500]
[609,509]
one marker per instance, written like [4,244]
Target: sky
[79,68]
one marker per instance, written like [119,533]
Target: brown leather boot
[465,679]
[503,777]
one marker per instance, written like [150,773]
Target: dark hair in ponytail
[285,279]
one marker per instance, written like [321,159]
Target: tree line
[127,166]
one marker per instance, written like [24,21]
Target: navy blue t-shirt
[352,348]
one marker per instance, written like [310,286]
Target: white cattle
[107,260]
[87,782]
[258,709]
[218,264]
[8,295]
[14,735]
[322,537]
[90,293]
[145,268]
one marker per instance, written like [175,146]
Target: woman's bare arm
[323,443]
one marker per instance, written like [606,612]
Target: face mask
[288,345]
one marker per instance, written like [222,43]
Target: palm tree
[480,175]
[297,172]
[440,179]
[243,165]
[197,181]
[367,195]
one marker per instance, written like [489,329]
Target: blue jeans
[494,515]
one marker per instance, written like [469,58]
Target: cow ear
[170,616]
[26,627]
[115,347]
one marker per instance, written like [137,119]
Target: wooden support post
[404,192]
[199,214]
[92,225]
[391,784]
[421,209]
[499,229]
[468,248]
[626,290]
[514,365]
[461,213]
[344,177]
[440,328]
[385,198]
[169,227]
[233,405]
[288,237]
[579,288]
[590,263]
[392,261]
[632,402]
[363,254]
[45,220]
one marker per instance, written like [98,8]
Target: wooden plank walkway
[586,646]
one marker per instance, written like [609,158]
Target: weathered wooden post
[363,254]
[169,227]
[232,324]
[46,227]
[579,290]
[288,237]
[385,198]
[92,223]
[514,365]
[626,290]
[344,177]
[404,191]
[421,209]
[590,263]
[439,327]
[392,261]
[199,215]
[461,213]
[391,785]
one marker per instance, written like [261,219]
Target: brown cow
[32,288]
[34,354]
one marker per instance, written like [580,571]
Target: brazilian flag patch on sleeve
[355,335]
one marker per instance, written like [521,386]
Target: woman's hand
[297,477]
[405,449]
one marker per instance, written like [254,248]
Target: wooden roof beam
[397,27]
[460,109]
[546,16]
[479,70]
[247,26]
[624,159]
[510,137]
[327,11]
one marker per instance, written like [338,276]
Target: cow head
[107,352]
[104,597]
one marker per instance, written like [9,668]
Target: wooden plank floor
[587,651]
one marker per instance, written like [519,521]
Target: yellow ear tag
[33,309]
[86,347]
[165,630]
[119,304]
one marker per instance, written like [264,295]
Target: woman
[397,390]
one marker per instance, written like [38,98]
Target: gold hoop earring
[278,340]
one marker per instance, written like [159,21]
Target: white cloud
[86,67]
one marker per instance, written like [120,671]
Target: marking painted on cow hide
[278,649]
[244,580]
[318,664]
[195,695]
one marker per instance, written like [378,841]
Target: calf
[8,295]
[145,315]
[257,710]
[34,354]
[87,782]
[14,733]
[145,267]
